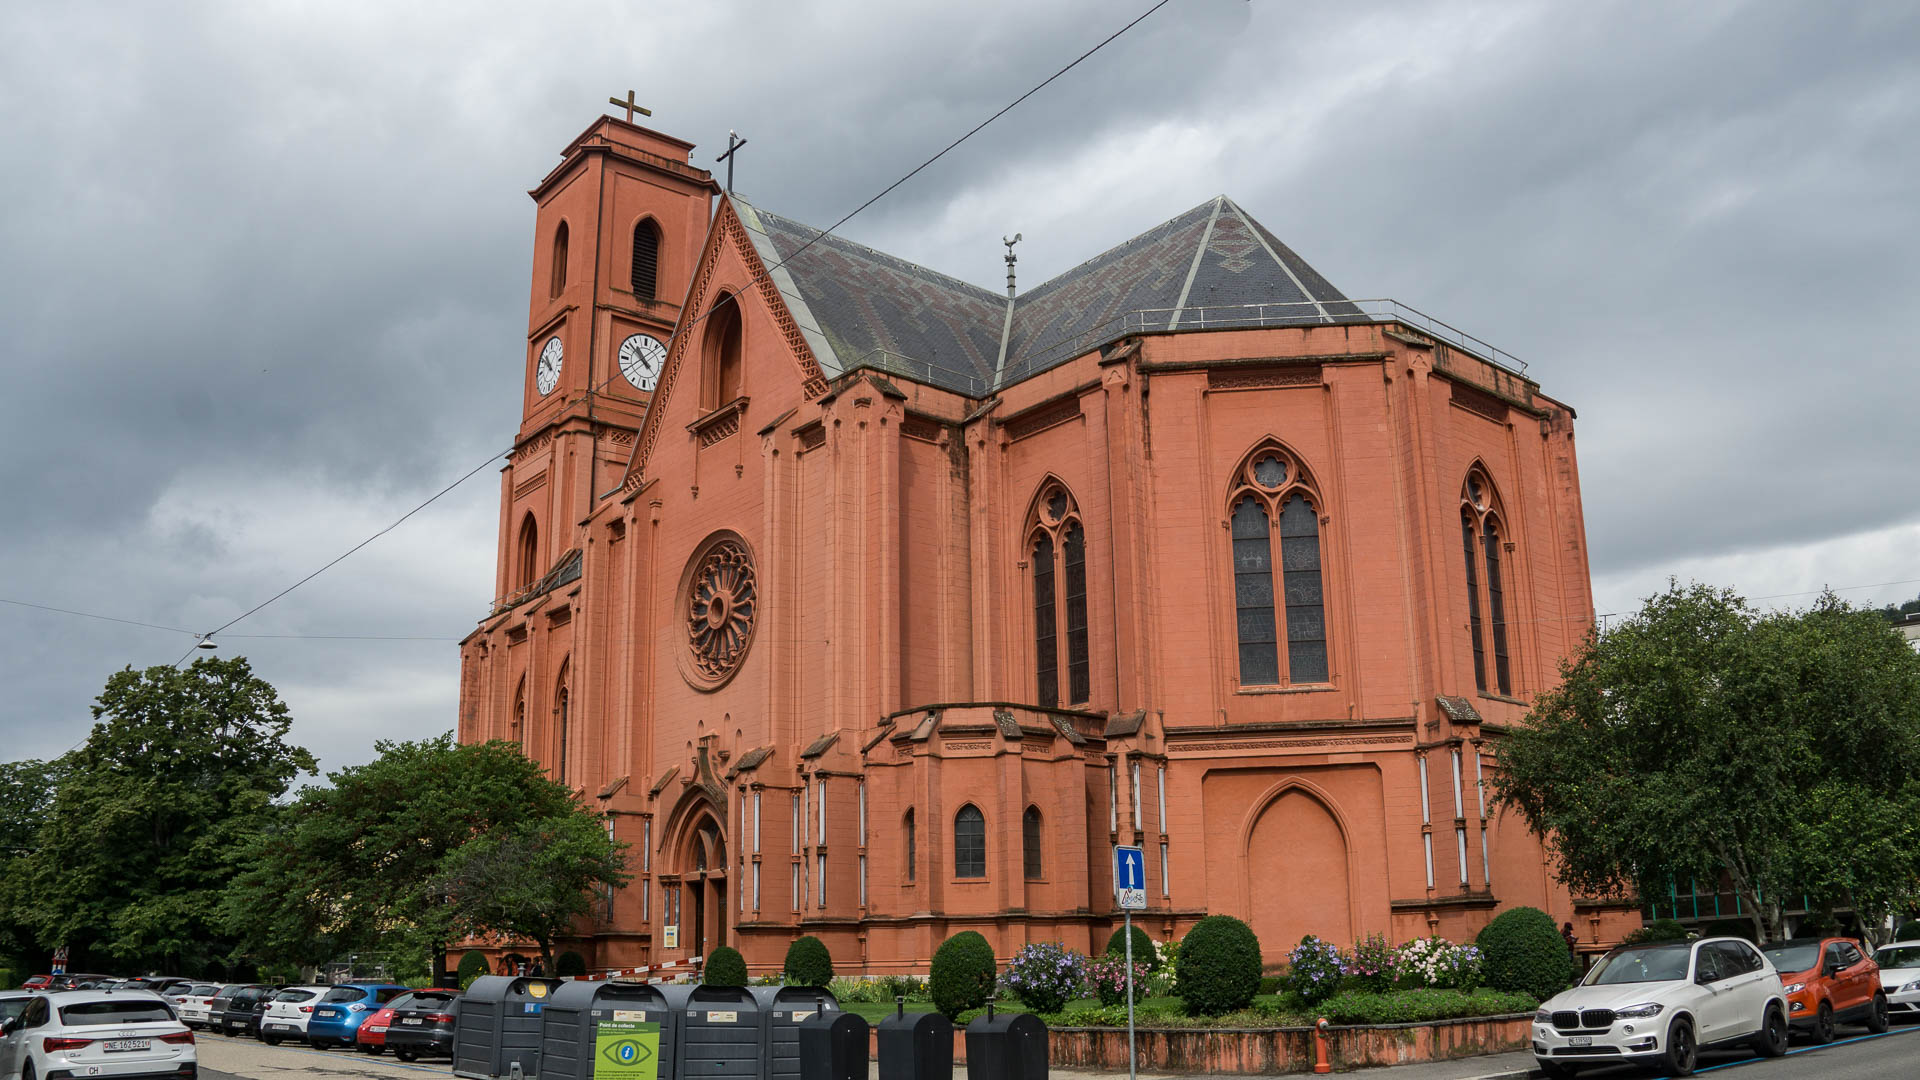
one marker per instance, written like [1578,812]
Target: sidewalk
[1513,1066]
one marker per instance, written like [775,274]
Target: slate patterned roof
[857,306]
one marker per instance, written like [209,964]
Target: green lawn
[874,1011]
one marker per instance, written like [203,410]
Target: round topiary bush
[472,965]
[725,967]
[1522,952]
[1219,966]
[568,964]
[1143,950]
[809,963]
[961,977]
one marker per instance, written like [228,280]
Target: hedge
[962,974]
[725,967]
[809,963]
[1143,950]
[473,964]
[1219,966]
[1522,952]
[1421,1006]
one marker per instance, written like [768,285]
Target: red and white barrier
[666,972]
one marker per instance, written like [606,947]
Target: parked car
[1828,981]
[13,1003]
[1658,1004]
[164,985]
[236,1011]
[193,1002]
[1900,976]
[341,1011]
[92,1034]
[372,1037]
[424,1026]
[287,1013]
[37,982]
[74,981]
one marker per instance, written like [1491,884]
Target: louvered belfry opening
[646,259]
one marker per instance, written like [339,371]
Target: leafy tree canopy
[532,879]
[1702,736]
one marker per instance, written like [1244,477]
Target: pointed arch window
[527,565]
[721,353]
[1030,836]
[913,855]
[1482,544]
[561,702]
[1057,546]
[559,260]
[1274,522]
[646,259]
[969,843]
[519,733]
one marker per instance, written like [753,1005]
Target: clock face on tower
[547,376]
[641,357]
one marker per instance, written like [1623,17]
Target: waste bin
[496,1026]
[1009,1046]
[782,1010]
[588,1020]
[719,1033]
[833,1046]
[916,1046]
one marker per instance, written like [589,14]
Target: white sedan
[288,1013]
[191,1002]
[1900,976]
[97,1033]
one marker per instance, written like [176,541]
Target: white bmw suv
[97,1033]
[1658,1004]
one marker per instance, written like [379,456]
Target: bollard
[916,1046]
[1320,1062]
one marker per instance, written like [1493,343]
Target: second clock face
[641,357]
[547,375]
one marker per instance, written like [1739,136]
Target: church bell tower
[618,226]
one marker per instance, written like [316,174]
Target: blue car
[338,1014]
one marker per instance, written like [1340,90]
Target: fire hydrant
[1320,1062]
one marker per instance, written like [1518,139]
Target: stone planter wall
[1270,1050]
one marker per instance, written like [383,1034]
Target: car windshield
[1792,956]
[117,1011]
[295,995]
[203,991]
[1663,963]
[344,993]
[1898,956]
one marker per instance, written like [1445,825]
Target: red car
[372,1037]
[38,982]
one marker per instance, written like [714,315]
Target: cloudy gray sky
[264,266]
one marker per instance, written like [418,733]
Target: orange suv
[1828,981]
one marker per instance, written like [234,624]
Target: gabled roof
[861,307]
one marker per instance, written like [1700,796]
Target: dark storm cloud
[263,268]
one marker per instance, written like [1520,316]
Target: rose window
[721,600]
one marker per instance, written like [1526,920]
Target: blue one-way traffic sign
[1130,878]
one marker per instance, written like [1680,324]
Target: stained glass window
[1306,611]
[1079,672]
[1046,648]
[1253,595]
[1030,841]
[1496,607]
[1473,603]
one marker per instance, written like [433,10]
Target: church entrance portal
[705,882]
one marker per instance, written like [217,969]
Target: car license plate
[1580,1040]
[114,1046]
[412,1020]
[281,1027]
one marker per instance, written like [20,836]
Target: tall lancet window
[646,259]
[1482,539]
[560,706]
[1274,522]
[1057,548]
[559,281]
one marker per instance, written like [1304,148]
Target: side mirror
[10,1025]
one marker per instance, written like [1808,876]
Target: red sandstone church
[877,605]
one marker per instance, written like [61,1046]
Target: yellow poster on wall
[626,1050]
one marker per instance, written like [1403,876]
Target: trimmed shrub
[1420,1006]
[1522,952]
[1045,976]
[568,964]
[473,964]
[809,963]
[1314,968]
[725,967]
[1219,966]
[1143,950]
[961,977]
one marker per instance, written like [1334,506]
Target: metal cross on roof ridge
[631,106]
[734,142]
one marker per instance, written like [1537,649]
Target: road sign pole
[1130,1053]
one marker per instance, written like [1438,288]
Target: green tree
[26,801]
[360,864]
[152,814]
[531,880]
[1701,736]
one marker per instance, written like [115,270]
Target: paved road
[1865,1057]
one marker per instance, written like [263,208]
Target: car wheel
[27,1072]
[270,1040]
[1823,1024]
[1681,1054]
[1877,1019]
[367,1048]
[1772,1039]
[406,1055]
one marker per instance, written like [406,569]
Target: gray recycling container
[833,1046]
[782,1010]
[1007,1046]
[915,1046]
[720,1034]
[497,1025]
[573,1017]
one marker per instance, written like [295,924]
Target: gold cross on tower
[630,106]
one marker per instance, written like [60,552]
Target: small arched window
[1058,547]
[1483,548]
[1030,833]
[913,855]
[969,843]
[646,259]
[1274,521]
[527,564]
[721,354]
[559,260]
[560,703]
[519,733]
